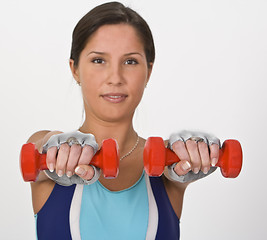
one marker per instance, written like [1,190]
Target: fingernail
[80,171]
[60,173]
[51,167]
[69,173]
[213,162]
[186,165]
[205,170]
[196,170]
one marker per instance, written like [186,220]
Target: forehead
[119,37]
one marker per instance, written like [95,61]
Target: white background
[210,74]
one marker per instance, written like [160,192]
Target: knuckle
[177,145]
[64,147]
[76,148]
[75,152]
[51,151]
[202,146]
[71,164]
[51,156]
[87,150]
[214,153]
[191,144]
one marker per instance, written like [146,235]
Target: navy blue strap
[168,226]
[53,218]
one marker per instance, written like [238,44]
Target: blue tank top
[142,211]
[105,213]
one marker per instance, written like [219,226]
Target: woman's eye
[98,61]
[131,62]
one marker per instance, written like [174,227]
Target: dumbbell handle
[230,157]
[32,162]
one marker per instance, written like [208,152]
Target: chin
[113,116]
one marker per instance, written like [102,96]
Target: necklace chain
[130,152]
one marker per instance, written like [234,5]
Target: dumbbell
[32,162]
[156,156]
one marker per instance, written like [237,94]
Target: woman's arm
[195,156]
[65,158]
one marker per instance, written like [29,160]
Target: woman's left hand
[197,152]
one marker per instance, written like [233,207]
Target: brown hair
[110,13]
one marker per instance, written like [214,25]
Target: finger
[74,155]
[214,154]
[182,168]
[180,149]
[51,157]
[86,155]
[85,171]
[205,157]
[62,158]
[192,148]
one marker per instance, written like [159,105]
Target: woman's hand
[70,153]
[195,156]
[197,152]
[71,159]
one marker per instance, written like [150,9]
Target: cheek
[140,81]
[89,79]
[89,86]
[138,86]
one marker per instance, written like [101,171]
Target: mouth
[114,97]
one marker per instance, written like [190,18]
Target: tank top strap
[52,221]
[168,222]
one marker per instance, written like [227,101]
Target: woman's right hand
[70,160]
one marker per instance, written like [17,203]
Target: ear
[150,67]
[74,71]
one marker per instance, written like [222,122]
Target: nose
[115,76]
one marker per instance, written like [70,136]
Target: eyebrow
[133,53]
[94,52]
[127,54]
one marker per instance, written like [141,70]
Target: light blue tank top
[112,218]
[61,214]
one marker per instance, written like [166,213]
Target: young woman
[111,59]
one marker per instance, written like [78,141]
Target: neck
[122,131]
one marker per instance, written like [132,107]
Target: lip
[114,97]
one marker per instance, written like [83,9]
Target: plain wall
[210,74]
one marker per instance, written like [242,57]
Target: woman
[111,59]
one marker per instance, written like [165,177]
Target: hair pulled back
[110,13]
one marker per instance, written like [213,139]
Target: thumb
[85,171]
[182,168]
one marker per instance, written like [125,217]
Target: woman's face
[113,72]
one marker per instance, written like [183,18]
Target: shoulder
[39,138]
[35,137]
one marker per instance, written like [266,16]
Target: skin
[110,67]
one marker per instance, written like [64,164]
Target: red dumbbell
[156,157]
[32,162]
